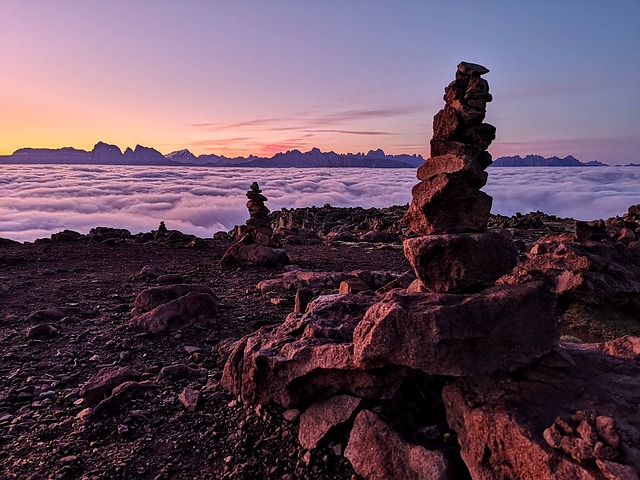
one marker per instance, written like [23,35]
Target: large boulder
[572,415]
[461,262]
[378,452]
[447,204]
[502,328]
[307,357]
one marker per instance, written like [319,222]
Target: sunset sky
[259,77]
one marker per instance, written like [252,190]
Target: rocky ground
[84,291]
[64,312]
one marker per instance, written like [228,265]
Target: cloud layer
[36,201]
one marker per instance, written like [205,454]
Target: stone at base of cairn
[461,262]
[255,254]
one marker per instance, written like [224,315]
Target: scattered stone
[66,236]
[52,314]
[291,415]
[100,386]
[303,297]
[616,471]
[156,296]
[173,308]
[189,398]
[170,278]
[178,371]
[42,331]
[121,395]
[353,285]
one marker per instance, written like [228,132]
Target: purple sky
[258,77]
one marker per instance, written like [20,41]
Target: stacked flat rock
[256,242]
[455,252]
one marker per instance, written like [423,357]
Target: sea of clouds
[38,200]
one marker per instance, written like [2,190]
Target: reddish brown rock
[323,416]
[617,471]
[472,69]
[256,254]
[459,149]
[155,296]
[178,371]
[189,398]
[177,314]
[353,285]
[44,330]
[100,386]
[624,347]
[502,328]
[121,396]
[461,262]
[447,204]
[500,419]
[445,124]
[589,272]
[479,135]
[306,356]
[467,167]
[378,452]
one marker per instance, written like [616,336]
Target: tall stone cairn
[448,209]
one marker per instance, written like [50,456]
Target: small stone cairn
[256,243]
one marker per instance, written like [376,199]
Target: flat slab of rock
[323,416]
[378,452]
[502,328]
[501,420]
[461,262]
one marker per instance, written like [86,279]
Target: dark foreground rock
[503,420]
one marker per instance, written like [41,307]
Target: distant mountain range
[538,161]
[105,154]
